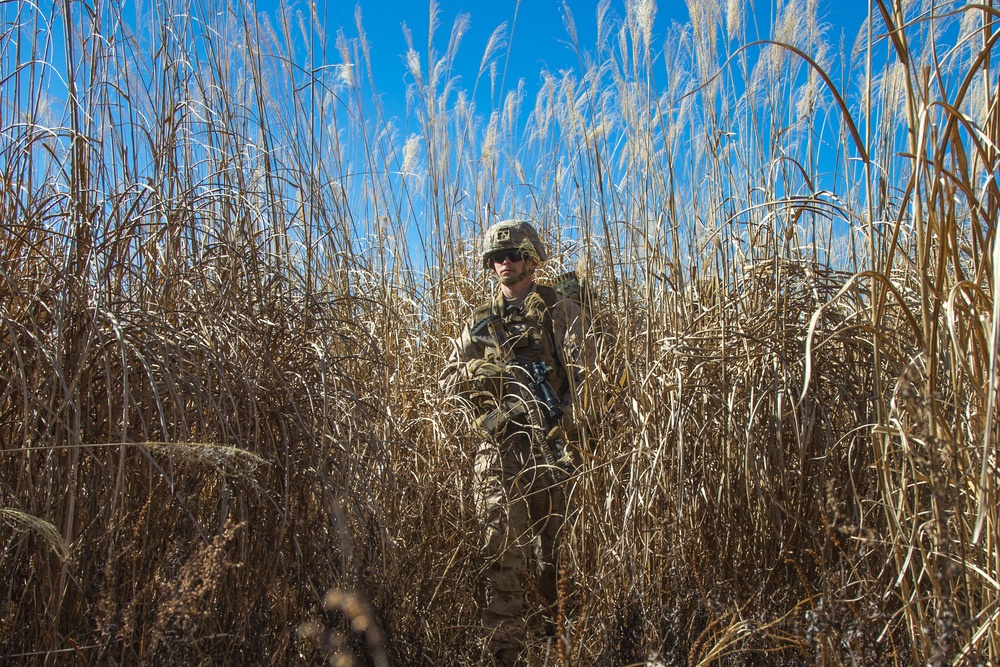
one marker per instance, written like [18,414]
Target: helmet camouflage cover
[512,235]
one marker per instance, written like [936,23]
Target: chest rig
[521,336]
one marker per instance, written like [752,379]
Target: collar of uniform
[504,304]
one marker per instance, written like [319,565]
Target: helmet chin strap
[510,281]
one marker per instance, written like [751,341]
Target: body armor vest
[521,335]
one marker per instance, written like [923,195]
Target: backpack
[571,286]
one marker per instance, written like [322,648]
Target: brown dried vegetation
[227,284]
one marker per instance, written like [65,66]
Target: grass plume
[228,280]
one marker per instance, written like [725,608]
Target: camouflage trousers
[523,512]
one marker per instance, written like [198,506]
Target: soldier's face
[512,267]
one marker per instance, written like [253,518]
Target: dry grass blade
[228,281]
[49,533]
[991,400]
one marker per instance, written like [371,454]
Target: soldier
[519,362]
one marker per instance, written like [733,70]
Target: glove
[486,376]
[481,368]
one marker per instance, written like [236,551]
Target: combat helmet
[512,235]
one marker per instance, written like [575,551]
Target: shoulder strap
[549,295]
[488,309]
[482,318]
[482,312]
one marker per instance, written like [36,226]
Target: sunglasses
[512,255]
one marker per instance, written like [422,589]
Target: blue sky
[538,39]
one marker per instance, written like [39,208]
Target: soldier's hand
[486,376]
[481,368]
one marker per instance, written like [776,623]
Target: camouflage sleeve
[455,377]
[574,349]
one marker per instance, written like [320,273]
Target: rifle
[548,409]
[479,330]
[543,391]
[553,446]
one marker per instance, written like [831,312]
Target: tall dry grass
[228,280]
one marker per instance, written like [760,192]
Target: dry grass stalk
[225,266]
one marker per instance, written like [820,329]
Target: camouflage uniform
[521,503]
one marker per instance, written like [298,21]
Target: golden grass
[227,284]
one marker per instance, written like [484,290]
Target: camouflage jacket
[561,322]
